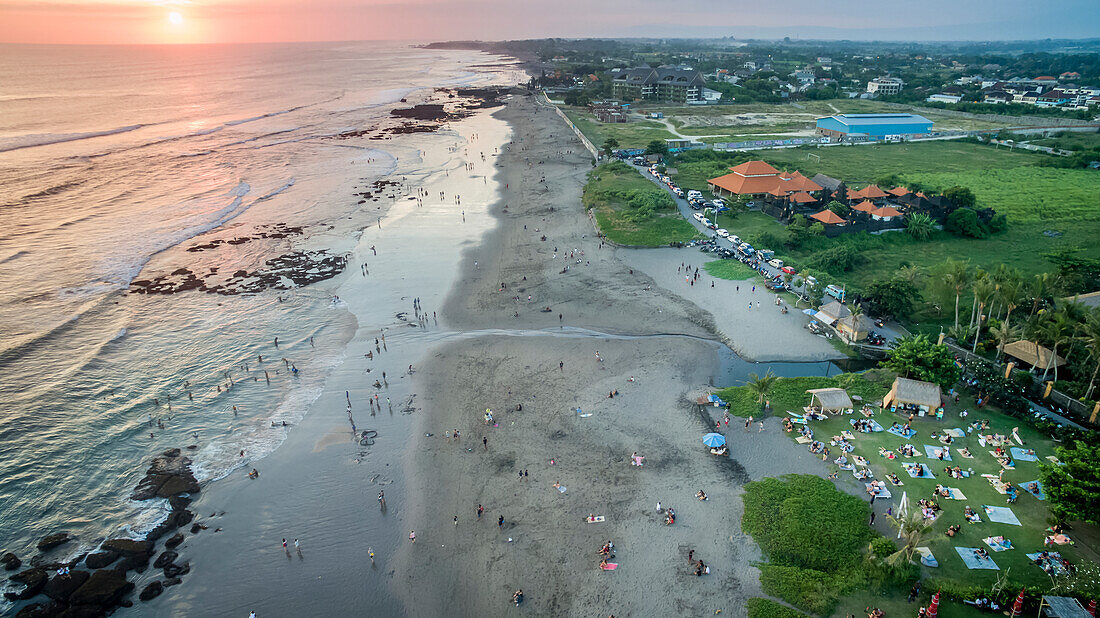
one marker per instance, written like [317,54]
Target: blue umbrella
[714,440]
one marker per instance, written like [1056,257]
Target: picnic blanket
[874,424]
[803,440]
[1059,539]
[866,472]
[847,466]
[965,453]
[1011,464]
[933,452]
[955,494]
[878,489]
[918,471]
[1002,544]
[972,560]
[594,519]
[1038,493]
[847,435]
[898,432]
[610,566]
[1022,454]
[1054,460]
[798,419]
[926,557]
[1001,514]
[1000,487]
[1054,560]
[955,433]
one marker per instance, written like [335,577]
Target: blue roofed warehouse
[873,125]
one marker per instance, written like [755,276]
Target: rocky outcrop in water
[285,272]
[169,475]
[54,540]
[10,561]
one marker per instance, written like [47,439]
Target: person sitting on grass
[970,515]
[953,530]
[894,478]
[874,612]
[882,451]
[702,495]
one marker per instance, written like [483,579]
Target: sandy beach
[505,299]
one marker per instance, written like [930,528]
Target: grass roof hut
[925,395]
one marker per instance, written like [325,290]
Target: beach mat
[933,452]
[1054,460]
[1057,563]
[882,491]
[900,433]
[956,433]
[919,471]
[965,454]
[955,493]
[1059,539]
[610,566]
[1022,454]
[1001,515]
[562,489]
[995,546]
[973,562]
[1038,493]
[595,519]
[926,557]
[803,440]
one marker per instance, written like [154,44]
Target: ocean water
[114,161]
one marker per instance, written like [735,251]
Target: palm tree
[920,226]
[762,386]
[1091,331]
[983,291]
[1010,293]
[1057,331]
[1004,334]
[911,274]
[912,527]
[1042,286]
[956,277]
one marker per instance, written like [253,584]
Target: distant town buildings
[667,84]
[878,126]
[884,86]
[944,98]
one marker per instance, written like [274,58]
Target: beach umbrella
[1018,606]
[714,440]
[934,606]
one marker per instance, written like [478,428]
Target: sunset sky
[231,21]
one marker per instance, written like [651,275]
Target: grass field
[732,270]
[1068,140]
[1026,194]
[628,134]
[631,210]
[789,394]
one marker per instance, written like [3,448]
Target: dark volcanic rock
[157,532]
[178,503]
[10,561]
[61,588]
[151,591]
[100,559]
[175,541]
[128,547]
[180,518]
[54,540]
[166,558]
[168,475]
[175,570]
[134,563]
[172,581]
[83,611]
[39,610]
[104,588]
[33,580]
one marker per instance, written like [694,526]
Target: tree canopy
[918,358]
[895,296]
[1074,488]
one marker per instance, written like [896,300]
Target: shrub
[802,520]
[964,222]
[806,589]
[882,547]
[766,608]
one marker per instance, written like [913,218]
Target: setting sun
[175,19]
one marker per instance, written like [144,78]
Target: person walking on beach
[480,510]
[370,552]
[412,535]
[485,442]
[500,522]
[456,521]
[747,423]
[284,547]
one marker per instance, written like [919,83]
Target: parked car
[638,161]
[709,224]
[698,216]
[735,239]
[835,292]
[723,232]
[788,270]
[693,193]
[776,263]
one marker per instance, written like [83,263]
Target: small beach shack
[831,313]
[1031,353]
[830,399]
[855,327]
[906,392]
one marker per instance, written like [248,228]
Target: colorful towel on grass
[1054,561]
[898,432]
[918,471]
[874,424]
[955,494]
[1038,492]
[970,557]
[1011,464]
[998,543]
[926,557]
[956,433]
[803,440]
[878,489]
[965,453]
[933,452]
[1022,454]
[1001,515]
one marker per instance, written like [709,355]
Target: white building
[944,98]
[885,86]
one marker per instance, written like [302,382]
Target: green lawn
[631,210]
[789,394]
[732,270]
[1068,140]
[1026,194]
[1031,512]
[634,134]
